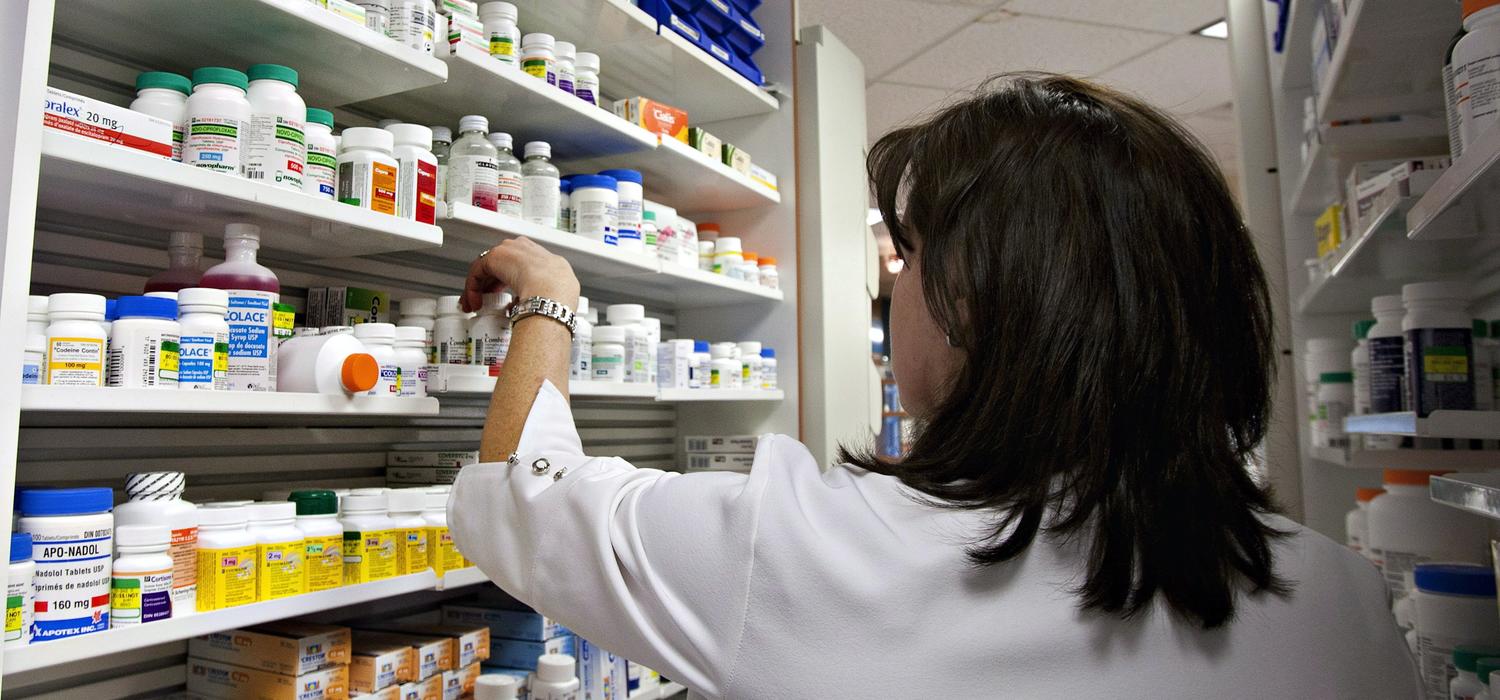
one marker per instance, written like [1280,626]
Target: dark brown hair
[1085,254]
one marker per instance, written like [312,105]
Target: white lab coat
[791,582]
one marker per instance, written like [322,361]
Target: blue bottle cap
[700,346]
[109,310]
[20,546]
[81,501]
[623,175]
[148,307]
[565,185]
[767,352]
[1455,579]
[601,181]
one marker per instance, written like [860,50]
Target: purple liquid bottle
[253,289]
[184,266]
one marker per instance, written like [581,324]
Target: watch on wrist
[542,306]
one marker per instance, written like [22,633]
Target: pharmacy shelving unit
[1449,232]
[80,216]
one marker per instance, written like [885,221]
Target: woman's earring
[949,338]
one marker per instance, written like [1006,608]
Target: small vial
[541,193]
[510,186]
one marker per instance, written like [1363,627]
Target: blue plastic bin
[743,35]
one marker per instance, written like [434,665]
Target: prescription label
[441,552]
[322,169]
[203,362]
[370,555]
[282,570]
[19,601]
[325,562]
[214,143]
[226,577]
[72,583]
[1439,371]
[184,552]
[75,361]
[252,362]
[140,596]
[276,151]
[503,47]
[413,553]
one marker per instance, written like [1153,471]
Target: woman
[1084,332]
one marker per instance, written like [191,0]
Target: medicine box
[288,648]
[520,653]
[427,689]
[434,654]
[674,362]
[440,458]
[706,143]
[216,679]
[347,306]
[468,31]
[510,624]
[91,119]
[600,673]
[420,476]
[1329,227]
[1409,178]
[655,117]
[347,10]
[721,443]
[763,177]
[380,663]
[459,682]
[387,693]
[468,8]
[737,159]
[709,462]
[471,642]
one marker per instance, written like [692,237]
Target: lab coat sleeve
[652,565]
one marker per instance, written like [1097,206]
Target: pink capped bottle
[253,289]
[184,264]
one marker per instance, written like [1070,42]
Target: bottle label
[413,557]
[535,67]
[714,380]
[214,143]
[321,174]
[565,80]
[252,360]
[31,372]
[19,601]
[388,383]
[608,367]
[629,216]
[491,351]
[275,151]
[370,555]
[377,15]
[1438,370]
[153,361]
[1387,368]
[324,559]
[412,25]
[510,194]
[426,193]
[141,596]
[75,361]
[595,218]
[184,552]
[416,190]
[371,185]
[503,47]
[226,577]
[282,572]
[204,362]
[441,552]
[540,199]
[586,89]
[583,350]
[454,351]
[474,180]
[177,141]
[71,582]
[1478,85]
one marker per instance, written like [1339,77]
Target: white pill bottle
[583,344]
[322,537]
[450,333]
[34,362]
[72,533]
[336,363]
[554,679]
[20,597]
[1476,73]
[156,499]
[203,346]
[380,342]
[144,350]
[320,179]
[218,115]
[276,146]
[411,361]
[164,95]
[368,172]
[141,581]
[608,354]
[76,340]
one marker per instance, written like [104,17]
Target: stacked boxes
[292,660]
[347,306]
[517,636]
[426,468]
[720,452]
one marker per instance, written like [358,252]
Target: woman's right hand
[524,267]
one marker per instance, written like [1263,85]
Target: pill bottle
[442,556]
[368,171]
[275,144]
[727,254]
[701,370]
[1439,347]
[564,205]
[749,268]
[411,362]
[143,344]
[1484,367]
[442,148]
[554,679]
[422,313]
[1359,364]
[582,358]
[377,15]
[327,363]
[20,597]
[489,337]
[595,202]
[586,81]
[1386,342]
[594,316]
[450,333]
[416,185]
[706,255]
[109,319]
[320,178]
[724,372]
[1335,397]
[322,537]
[76,340]
[771,279]
[650,233]
[473,171]
[253,291]
[413,24]
[496,686]
[510,189]
[630,317]
[164,95]
[335,330]
[541,191]
[1407,528]
[184,264]
[608,354]
[203,345]
[406,507]
[141,579]
[155,498]
[1466,684]
[279,550]
[768,369]
[567,72]
[709,231]
[652,328]
[226,557]
[628,207]
[1475,80]
[34,363]
[72,532]
[1455,604]
[370,548]
[500,25]
[218,119]
[1485,669]
[380,343]
[537,57]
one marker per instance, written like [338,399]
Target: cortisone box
[420,476]
[445,458]
[82,116]
[721,443]
[216,679]
[288,648]
[654,117]
[710,462]
[509,624]
[379,663]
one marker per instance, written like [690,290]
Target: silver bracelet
[542,306]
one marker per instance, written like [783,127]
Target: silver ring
[484,252]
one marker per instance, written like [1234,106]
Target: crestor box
[288,648]
[216,679]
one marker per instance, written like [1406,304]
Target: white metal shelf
[459,578]
[1296,65]
[90,184]
[681,176]
[687,395]
[85,401]
[1473,425]
[468,384]
[639,59]
[1476,493]
[89,646]
[526,107]
[338,61]
[1408,459]
[1462,197]
[1369,76]
[1320,181]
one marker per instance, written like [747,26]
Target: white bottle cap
[555,668]
[264,511]
[363,502]
[448,306]
[142,536]
[750,348]
[594,315]
[411,135]
[565,49]
[155,486]
[202,299]
[501,139]
[36,308]
[387,123]
[406,500]
[215,514]
[185,239]
[722,351]
[538,39]
[411,333]
[1314,345]
[473,122]
[76,303]
[1433,291]
[336,330]
[440,488]
[496,686]
[496,302]
[442,133]
[498,10]
[583,306]
[587,60]
[727,244]
[539,148]
[376,332]
[1388,304]
[365,137]
[419,307]
[242,232]
[623,314]
[162,295]
[609,334]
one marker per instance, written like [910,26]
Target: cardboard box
[347,10]
[655,117]
[388,693]
[379,663]
[719,462]
[764,177]
[602,675]
[459,682]
[518,653]
[82,116]
[721,443]
[467,30]
[216,679]
[472,642]
[706,143]
[1329,227]
[510,624]
[468,8]
[737,159]
[434,654]
[289,648]
[1408,178]
[674,364]
[441,458]
[347,306]
[419,476]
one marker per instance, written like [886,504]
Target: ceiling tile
[1171,16]
[1009,42]
[889,106]
[868,26]
[1188,75]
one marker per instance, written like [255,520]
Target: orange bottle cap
[1411,477]
[360,372]
[768,261]
[1363,494]
[1472,6]
[749,257]
[710,226]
